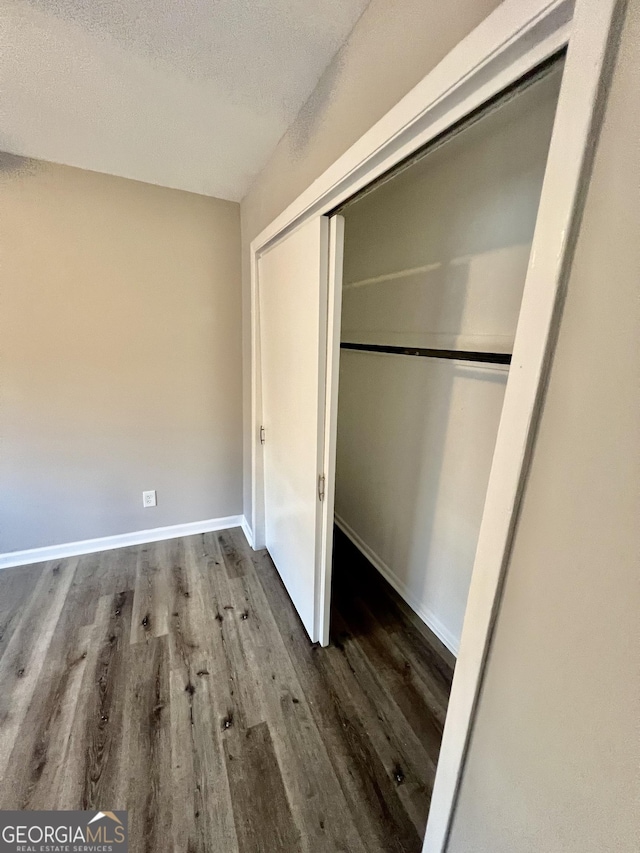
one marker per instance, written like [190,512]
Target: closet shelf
[423,352]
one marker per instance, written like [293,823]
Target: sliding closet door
[293,284]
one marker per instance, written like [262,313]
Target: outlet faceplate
[149,498]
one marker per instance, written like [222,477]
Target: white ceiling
[193,94]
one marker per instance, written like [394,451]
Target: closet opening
[435,258]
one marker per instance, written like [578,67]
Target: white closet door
[292,282]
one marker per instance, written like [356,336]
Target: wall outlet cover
[149,498]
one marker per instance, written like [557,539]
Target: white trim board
[330,403]
[246,529]
[122,540]
[428,616]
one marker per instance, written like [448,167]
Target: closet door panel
[293,314]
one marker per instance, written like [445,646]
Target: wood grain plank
[80,608]
[382,671]
[148,742]
[197,650]
[95,570]
[262,815]
[233,554]
[96,755]
[17,587]
[408,769]
[118,569]
[201,701]
[357,581]
[22,662]
[246,683]
[38,759]
[368,787]
[317,801]
[150,601]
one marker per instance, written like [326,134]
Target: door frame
[511,42]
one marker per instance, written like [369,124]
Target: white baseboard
[107,543]
[428,617]
[246,529]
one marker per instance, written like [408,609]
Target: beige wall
[554,762]
[120,355]
[391,48]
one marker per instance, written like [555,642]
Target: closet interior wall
[435,258]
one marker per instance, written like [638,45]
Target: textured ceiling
[193,94]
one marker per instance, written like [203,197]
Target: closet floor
[176,681]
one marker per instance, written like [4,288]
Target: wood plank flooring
[175,680]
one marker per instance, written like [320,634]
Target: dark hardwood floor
[176,681]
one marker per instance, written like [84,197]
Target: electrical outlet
[149,498]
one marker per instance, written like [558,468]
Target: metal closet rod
[423,352]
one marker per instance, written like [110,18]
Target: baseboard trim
[108,543]
[248,532]
[428,617]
